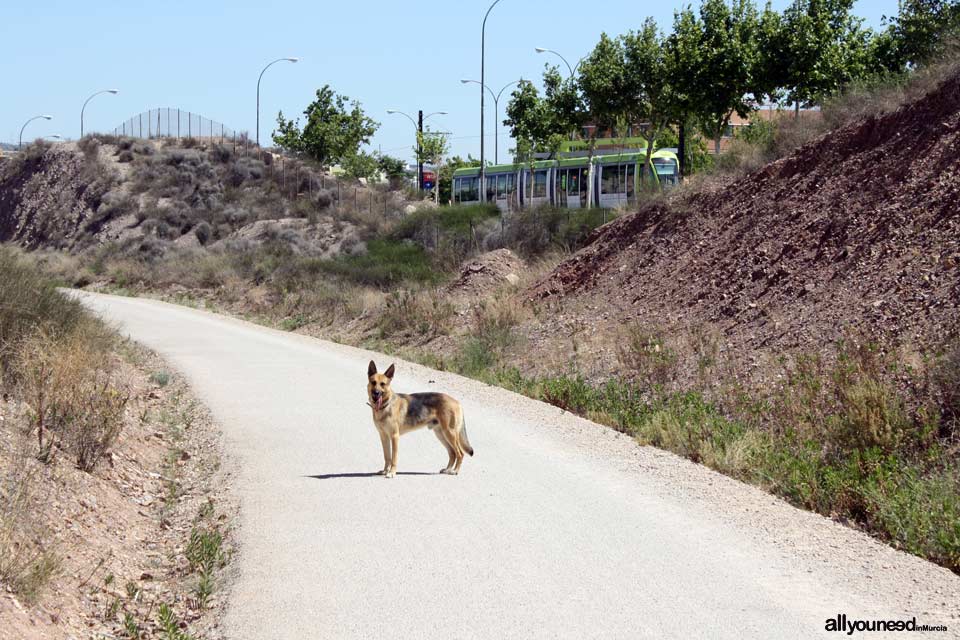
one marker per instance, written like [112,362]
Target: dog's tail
[464,440]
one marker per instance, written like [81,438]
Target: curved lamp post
[496,117]
[418,128]
[571,69]
[483,80]
[111,91]
[258,89]
[20,143]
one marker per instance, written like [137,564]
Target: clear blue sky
[205,57]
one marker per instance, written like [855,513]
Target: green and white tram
[607,181]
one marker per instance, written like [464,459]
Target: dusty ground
[121,531]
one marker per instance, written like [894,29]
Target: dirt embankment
[47,193]
[120,538]
[855,233]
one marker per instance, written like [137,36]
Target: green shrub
[386,263]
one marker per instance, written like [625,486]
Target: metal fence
[168,122]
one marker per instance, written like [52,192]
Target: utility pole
[420,151]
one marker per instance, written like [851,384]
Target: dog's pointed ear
[372,369]
[390,371]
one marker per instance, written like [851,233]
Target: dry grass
[74,402]
[28,557]
[423,314]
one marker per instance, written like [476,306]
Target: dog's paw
[382,472]
[390,474]
[444,471]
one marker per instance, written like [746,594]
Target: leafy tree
[564,104]
[825,47]
[604,85]
[918,33]
[728,65]
[527,117]
[431,149]
[335,129]
[682,52]
[360,165]
[653,99]
[394,168]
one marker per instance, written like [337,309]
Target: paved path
[557,528]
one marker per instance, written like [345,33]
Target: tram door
[572,188]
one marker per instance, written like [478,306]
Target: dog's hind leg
[451,454]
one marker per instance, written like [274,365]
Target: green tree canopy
[604,85]
[654,103]
[919,33]
[824,45]
[335,129]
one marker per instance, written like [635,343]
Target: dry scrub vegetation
[97,530]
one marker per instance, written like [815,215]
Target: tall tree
[528,117]
[682,59]
[604,86]
[540,123]
[729,62]
[919,33]
[826,47]
[432,147]
[654,102]
[335,129]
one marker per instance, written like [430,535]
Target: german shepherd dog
[395,414]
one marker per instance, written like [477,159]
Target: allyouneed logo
[843,624]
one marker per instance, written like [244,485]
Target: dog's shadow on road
[339,476]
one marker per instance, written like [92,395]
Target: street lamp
[483,80]
[572,69]
[20,144]
[111,91]
[419,129]
[258,89]
[496,118]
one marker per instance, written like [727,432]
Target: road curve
[558,528]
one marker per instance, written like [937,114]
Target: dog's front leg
[395,442]
[385,443]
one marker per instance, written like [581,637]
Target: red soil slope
[859,230]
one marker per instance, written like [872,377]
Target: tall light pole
[496,117]
[571,69]
[20,143]
[418,127]
[111,91]
[258,89]
[483,80]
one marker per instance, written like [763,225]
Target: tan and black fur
[395,414]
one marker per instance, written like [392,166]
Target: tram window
[468,189]
[574,183]
[511,183]
[630,172]
[501,187]
[540,184]
[608,183]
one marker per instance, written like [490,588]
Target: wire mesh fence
[170,122]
